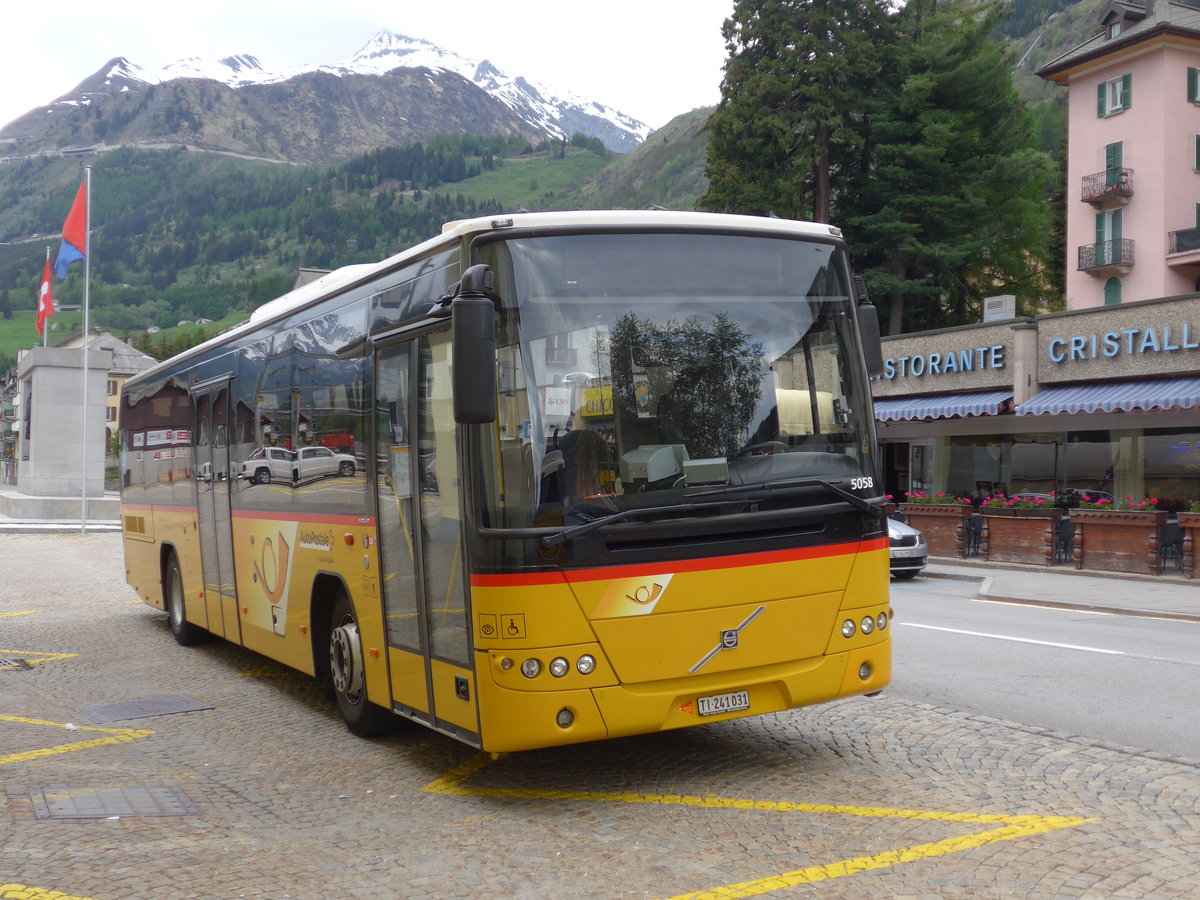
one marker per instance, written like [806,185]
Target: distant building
[127,361]
[1133,159]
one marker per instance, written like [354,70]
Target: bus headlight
[881,621]
[585,665]
[868,625]
[530,668]
[559,666]
[848,628]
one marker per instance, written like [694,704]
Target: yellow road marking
[21,892]
[1011,827]
[28,656]
[23,612]
[114,736]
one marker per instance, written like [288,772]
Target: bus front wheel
[347,676]
[186,634]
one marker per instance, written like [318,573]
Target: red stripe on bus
[519,579]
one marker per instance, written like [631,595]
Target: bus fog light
[559,666]
[565,718]
[881,621]
[585,665]
[530,668]
[506,664]
[864,671]
[848,628]
[868,625]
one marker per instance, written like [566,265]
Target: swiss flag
[45,308]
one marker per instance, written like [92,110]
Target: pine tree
[952,204]
[797,83]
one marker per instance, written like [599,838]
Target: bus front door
[420,536]
[211,405]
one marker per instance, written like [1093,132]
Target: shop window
[1112,291]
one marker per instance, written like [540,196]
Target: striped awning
[941,406]
[1115,396]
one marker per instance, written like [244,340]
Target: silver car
[908,550]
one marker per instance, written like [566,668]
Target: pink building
[1133,158]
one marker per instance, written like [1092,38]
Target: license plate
[906,554]
[723,703]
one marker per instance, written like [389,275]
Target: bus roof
[452,232]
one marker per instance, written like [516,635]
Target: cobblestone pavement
[262,792]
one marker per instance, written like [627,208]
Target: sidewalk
[27,514]
[1160,596]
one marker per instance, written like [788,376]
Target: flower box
[1020,535]
[1118,540]
[940,523]
[1189,524]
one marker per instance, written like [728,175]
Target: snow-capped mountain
[548,111]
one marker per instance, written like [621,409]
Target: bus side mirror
[868,329]
[473,335]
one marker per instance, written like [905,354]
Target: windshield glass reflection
[640,370]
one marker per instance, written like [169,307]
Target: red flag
[74,234]
[45,308]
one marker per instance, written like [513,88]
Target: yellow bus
[543,479]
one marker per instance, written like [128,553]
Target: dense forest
[186,236]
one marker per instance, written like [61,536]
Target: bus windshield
[641,371]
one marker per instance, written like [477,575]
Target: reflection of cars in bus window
[314,462]
[266,464]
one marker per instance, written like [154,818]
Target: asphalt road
[1115,678]
[225,776]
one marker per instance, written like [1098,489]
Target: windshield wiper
[566,534]
[767,487]
[561,537]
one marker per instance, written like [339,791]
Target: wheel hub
[345,660]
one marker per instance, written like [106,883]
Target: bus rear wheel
[347,676]
[186,634]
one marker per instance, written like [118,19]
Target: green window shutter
[1196,138]
[1193,85]
[1100,92]
[1198,215]
[1126,91]
[1112,291]
[1116,224]
[1114,156]
[1100,247]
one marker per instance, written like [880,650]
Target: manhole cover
[8,662]
[142,709]
[62,802]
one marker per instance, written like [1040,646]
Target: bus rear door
[211,427]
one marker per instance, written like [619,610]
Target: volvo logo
[728,641]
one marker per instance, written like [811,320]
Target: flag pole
[45,327]
[87,277]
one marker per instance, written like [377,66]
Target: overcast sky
[651,59]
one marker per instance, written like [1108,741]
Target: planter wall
[1118,540]
[942,526]
[1189,524]
[1020,535]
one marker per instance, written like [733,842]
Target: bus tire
[347,677]
[186,634]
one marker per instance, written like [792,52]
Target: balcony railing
[1110,183]
[1106,254]
[1182,241]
